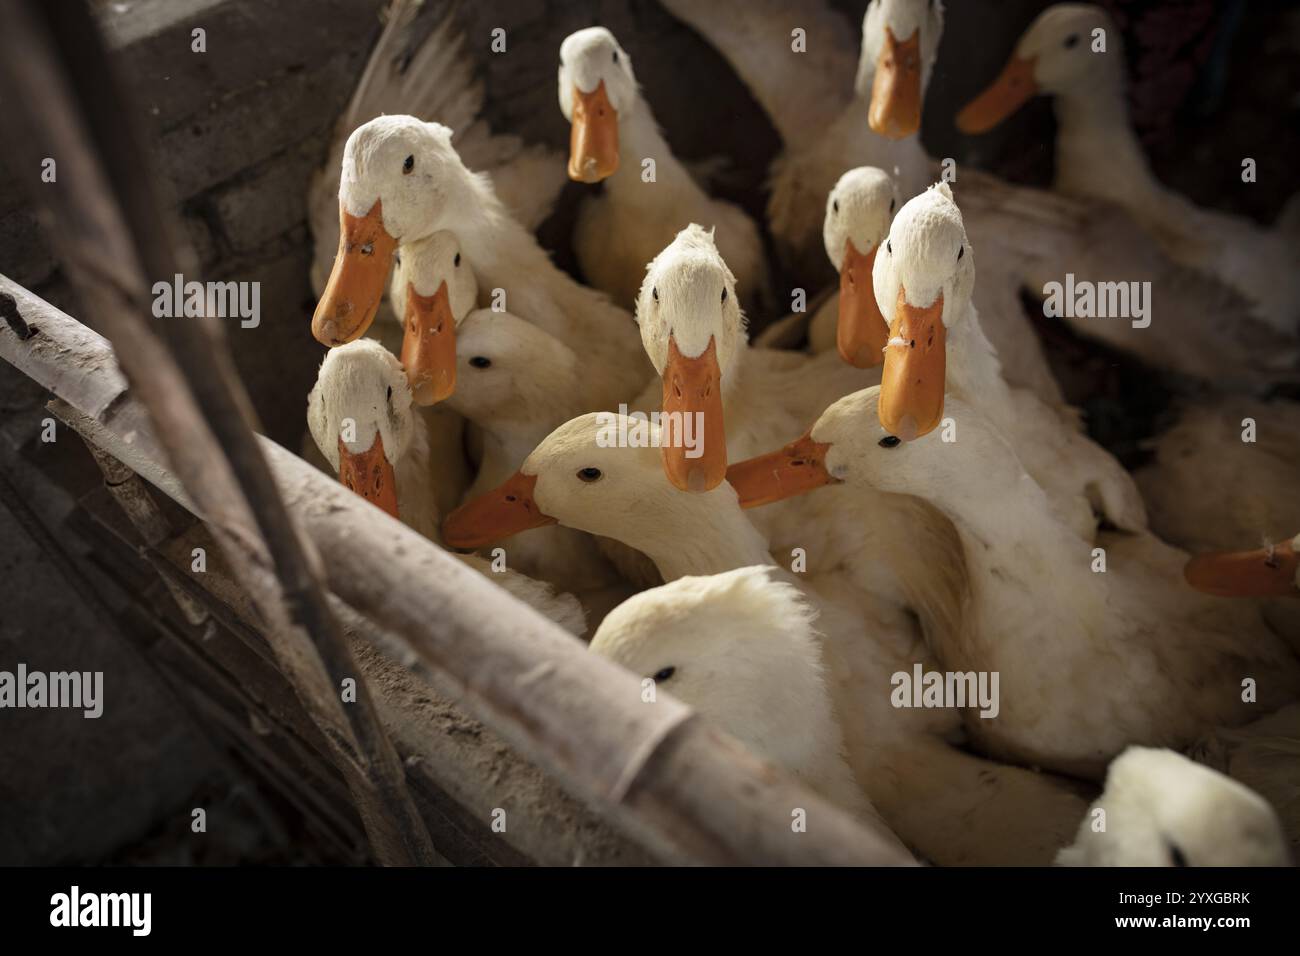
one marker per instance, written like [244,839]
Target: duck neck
[639,139]
[1097,153]
[1012,542]
[713,535]
[974,371]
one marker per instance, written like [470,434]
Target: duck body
[623,493]
[1089,660]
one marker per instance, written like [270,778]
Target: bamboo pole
[63,104]
[687,792]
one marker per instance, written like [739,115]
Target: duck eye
[389,396]
[1071,41]
[890,441]
[480,361]
[724,295]
[654,291]
[456,262]
[589,475]
[1176,856]
[960,251]
[889,247]
[892,203]
[664,673]
[835,205]
[615,56]
[408,165]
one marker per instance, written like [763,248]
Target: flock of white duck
[943,505]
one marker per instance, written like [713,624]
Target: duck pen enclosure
[405,708]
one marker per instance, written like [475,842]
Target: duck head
[739,647]
[1054,56]
[582,477]
[433,289]
[509,371]
[360,417]
[1165,810]
[693,330]
[399,183]
[858,211]
[899,41]
[849,445]
[597,88]
[1272,571]
[923,281]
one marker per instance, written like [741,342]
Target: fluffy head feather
[1162,809]
[858,208]
[689,294]
[591,57]
[927,253]
[361,382]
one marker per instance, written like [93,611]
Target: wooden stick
[687,792]
[64,104]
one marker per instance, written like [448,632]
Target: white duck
[954,807]
[1161,809]
[1096,660]
[1063,55]
[825,130]
[517,383]
[923,282]
[613,134]
[741,648]
[361,416]
[693,330]
[423,69]
[402,181]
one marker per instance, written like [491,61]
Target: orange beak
[1011,90]
[693,409]
[505,510]
[593,143]
[429,345]
[1267,572]
[356,282]
[862,331]
[895,110]
[797,468]
[912,381]
[369,474]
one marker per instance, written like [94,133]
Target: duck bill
[861,331]
[1266,572]
[370,474]
[505,510]
[1010,91]
[895,110]
[429,345]
[692,430]
[912,381]
[797,468]
[356,283]
[593,143]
